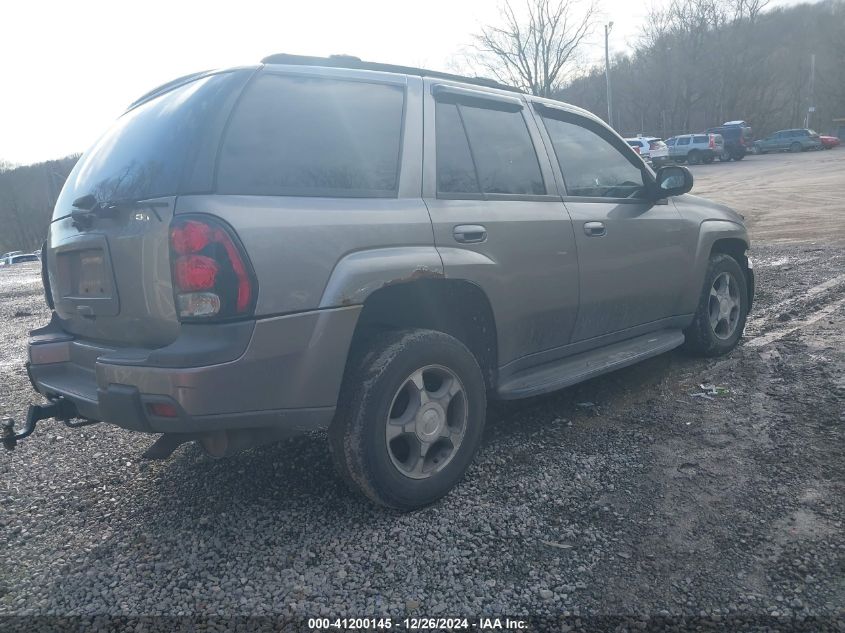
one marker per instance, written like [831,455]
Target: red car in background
[829,142]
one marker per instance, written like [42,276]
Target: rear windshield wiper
[86,208]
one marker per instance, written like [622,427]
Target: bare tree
[534,50]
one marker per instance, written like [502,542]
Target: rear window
[656,144]
[313,137]
[163,147]
[483,150]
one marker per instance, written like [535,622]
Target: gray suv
[695,148]
[368,249]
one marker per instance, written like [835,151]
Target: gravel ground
[627,495]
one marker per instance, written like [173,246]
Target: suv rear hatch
[107,257]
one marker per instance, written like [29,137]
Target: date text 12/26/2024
[417,624]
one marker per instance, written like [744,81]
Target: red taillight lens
[195,272]
[712,142]
[212,278]
[190,237]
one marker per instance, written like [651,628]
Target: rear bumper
[281,372]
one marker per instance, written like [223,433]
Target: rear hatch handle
[86,208]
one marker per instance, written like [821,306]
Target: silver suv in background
[695,148]
[325,243]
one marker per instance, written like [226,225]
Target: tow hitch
[58,408]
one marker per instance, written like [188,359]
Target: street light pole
[607,28]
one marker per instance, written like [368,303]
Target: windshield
[163,147]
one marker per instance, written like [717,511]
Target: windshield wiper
[86,208]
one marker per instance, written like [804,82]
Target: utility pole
[607,28]
[812,107]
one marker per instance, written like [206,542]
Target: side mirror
[672,180]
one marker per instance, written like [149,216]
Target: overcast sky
[69,68]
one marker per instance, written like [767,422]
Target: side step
[575,369]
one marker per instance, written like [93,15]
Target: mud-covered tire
[357,435]
[701,339]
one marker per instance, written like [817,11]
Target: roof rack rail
[350,61]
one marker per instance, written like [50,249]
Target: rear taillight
[212,277]
[712,142]
[636,148]
[45,278]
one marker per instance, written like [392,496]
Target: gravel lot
[631,494]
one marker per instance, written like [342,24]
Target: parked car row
[729,141]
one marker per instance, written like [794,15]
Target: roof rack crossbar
[352,62]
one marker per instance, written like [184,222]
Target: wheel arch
[456,307]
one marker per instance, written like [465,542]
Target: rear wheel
[739,156]
[722,309]
[413,409]
[795,147]
[725,156]
[694,157]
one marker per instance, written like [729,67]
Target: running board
[575,369]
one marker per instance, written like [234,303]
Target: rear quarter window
[700,139]
[313,137]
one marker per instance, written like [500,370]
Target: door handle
[469,233]
[595,229]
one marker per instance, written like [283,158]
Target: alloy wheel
[427,422]
[724,306]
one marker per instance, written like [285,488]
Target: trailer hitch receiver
[58,408]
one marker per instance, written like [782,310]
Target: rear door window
[455,169]
[483,150]
[309,136]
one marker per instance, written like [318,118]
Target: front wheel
[411,416]
[722,309]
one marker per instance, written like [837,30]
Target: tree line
[700,63]
[27,197]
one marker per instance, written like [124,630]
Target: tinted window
[700,139]
[307,136]
[163,147]
[455,171]
[503,152]
[590,165]
[683,141]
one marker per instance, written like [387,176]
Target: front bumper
[280,372]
